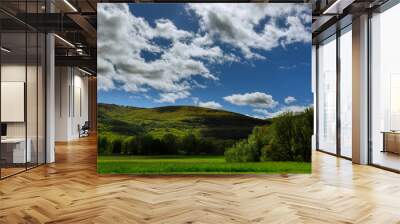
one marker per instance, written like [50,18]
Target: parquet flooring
[70,191]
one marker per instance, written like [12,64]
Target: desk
[391,141]
[15,148]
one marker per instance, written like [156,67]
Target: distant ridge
[205,122]
[173,108]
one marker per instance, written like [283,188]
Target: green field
[191,165]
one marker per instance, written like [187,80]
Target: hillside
[178,120]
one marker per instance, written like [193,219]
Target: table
[391,141]
[13,150]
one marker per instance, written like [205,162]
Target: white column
[360,90]
[314,91]
[50,92]
[50,99]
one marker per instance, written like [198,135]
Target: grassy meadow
[193,165]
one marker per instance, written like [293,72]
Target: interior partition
[22,78]
[16,150]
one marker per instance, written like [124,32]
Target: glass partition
[22,77]
[14,155]
[327,95]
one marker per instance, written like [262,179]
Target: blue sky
[253,59]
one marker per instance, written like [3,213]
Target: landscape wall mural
[204,88]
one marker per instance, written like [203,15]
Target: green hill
[178,120]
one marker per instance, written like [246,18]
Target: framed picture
[204,88]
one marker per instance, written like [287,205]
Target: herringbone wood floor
[70,191]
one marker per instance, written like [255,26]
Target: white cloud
[268,114]
[290,99]
[256,25]
[123,36]
[172,97]
[196,100]
[255,116]
[255,99]
[288,67]
[261,111]
[210,104]
[105,70]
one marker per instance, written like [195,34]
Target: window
[385,89]
[327,95]
[346,92]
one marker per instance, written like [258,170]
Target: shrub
[287,139]
[243,151]
[128,146]
[291,138]
[304,130]
[104,145]
[273,152]
[261,136]
[102,142]
[283,137]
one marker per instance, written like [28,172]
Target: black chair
[84,130]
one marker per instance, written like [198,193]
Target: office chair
[84,130]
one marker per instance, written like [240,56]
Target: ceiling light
[79,51]
[84,71]
[70,5]
[5,50]
[65,41]
[337,7]
[334,5]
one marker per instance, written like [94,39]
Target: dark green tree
[102,142]
[171,144]
[117,146]
[189,144]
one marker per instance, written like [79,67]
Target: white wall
[71,102]
[9,73]
[80,109]
[61,103]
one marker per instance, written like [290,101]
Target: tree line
[169,144]
[287,139]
